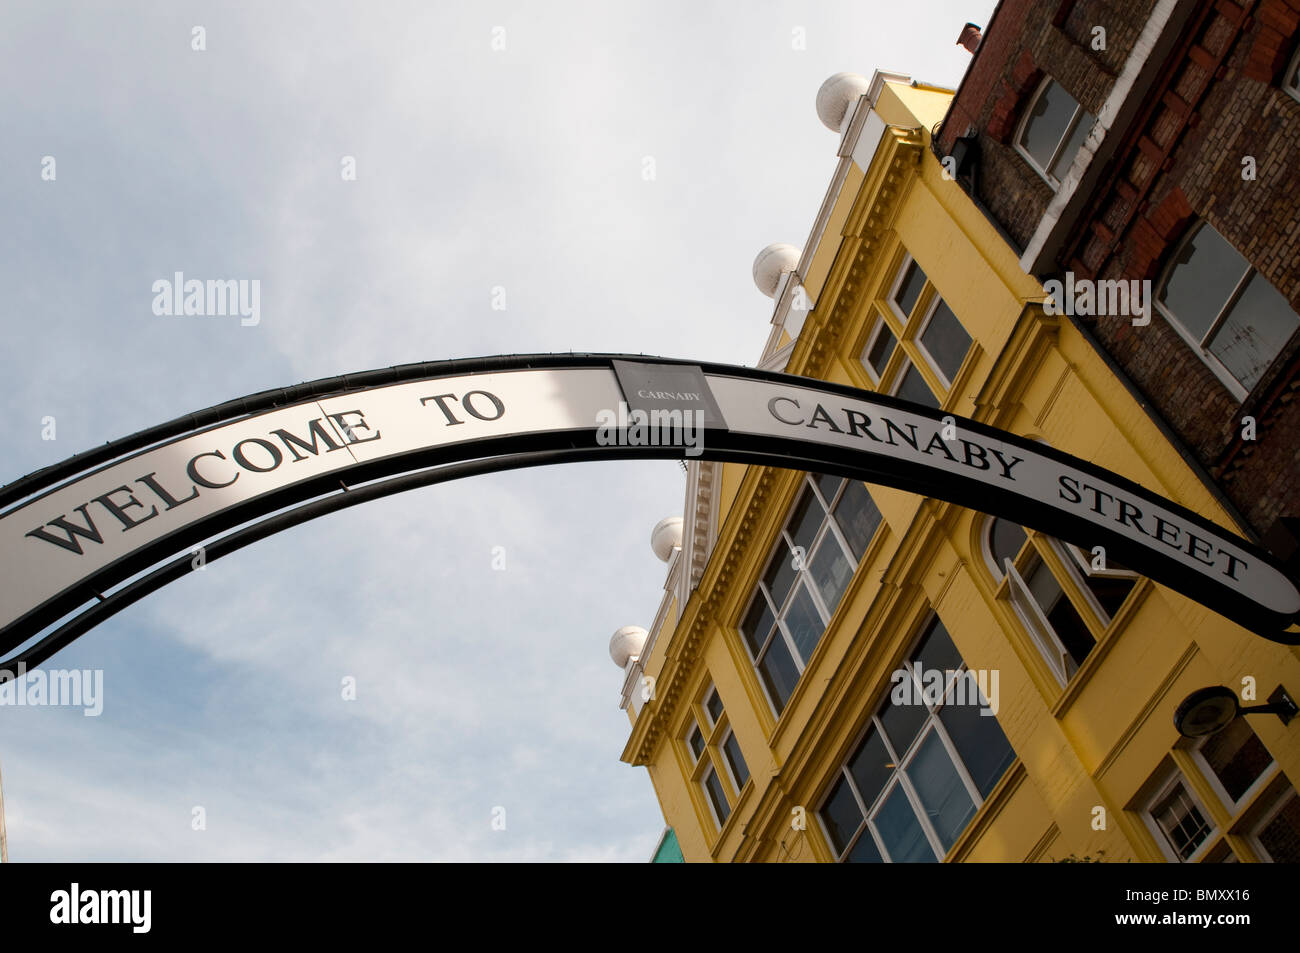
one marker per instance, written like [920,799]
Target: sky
[606,171]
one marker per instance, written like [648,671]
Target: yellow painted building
[781,700]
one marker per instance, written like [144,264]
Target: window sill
[993,805]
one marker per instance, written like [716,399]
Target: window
[1244,794]
[717,765]
[1054,127]
[912,386]
[717,796]
[713,706]
[735,760]
[933,342]
[1065,598]
[1227,311]
[929,757]
[1291,82]
[875,357]
[944,341]
[1179,819]
[1236,758]
[814,558]
[1278,835]
[907,290]
[695,741]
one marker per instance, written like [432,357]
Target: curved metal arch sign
[129,514]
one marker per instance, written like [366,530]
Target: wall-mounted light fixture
[1208,710]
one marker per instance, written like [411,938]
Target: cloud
[522,169]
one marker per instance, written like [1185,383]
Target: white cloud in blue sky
[519,168]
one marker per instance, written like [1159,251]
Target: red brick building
[1159,140]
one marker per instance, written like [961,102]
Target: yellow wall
[1093,744]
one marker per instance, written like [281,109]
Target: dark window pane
[757,624]
[739,770]
[978,738]
[1060,612]
[857,517]
[780,573]
[1182,822]
[804,623]
[902,722]
[831,570]
[880,350]
[1281,835]
[1253,334]
[864,851]
[910,288]
[1110,591]
[947,802]
[870,767]
[713,705]
[915,389]
[1202,278]
[841,815]
[828,485]
[1005,541]
[1065,158]
[936,650]
[805,520]
[1237,757]
[900,832]
[1048,123]
[696,741]
[946,340]
[778,671]
[713,784]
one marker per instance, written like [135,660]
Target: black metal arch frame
[157,563]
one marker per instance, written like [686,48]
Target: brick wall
[1215,100]
[1026,40]
[1222,103]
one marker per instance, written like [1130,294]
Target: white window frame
[903,368]
[1287,794]
[1083,566]
[1021,126]
[882,327]
[897,285]
[713,757]
[1024,604]
[711,692]
[1166,788]
[933,724]
[1054,652]
[694,726]
[923,326]
[803,577]
[1201,347]
[708,798]
[726,759]
[1207,772]
[986,546]
[911,328]
[1026,607]
[1084,561]
[1290,72]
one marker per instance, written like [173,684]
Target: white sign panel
[104,526]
